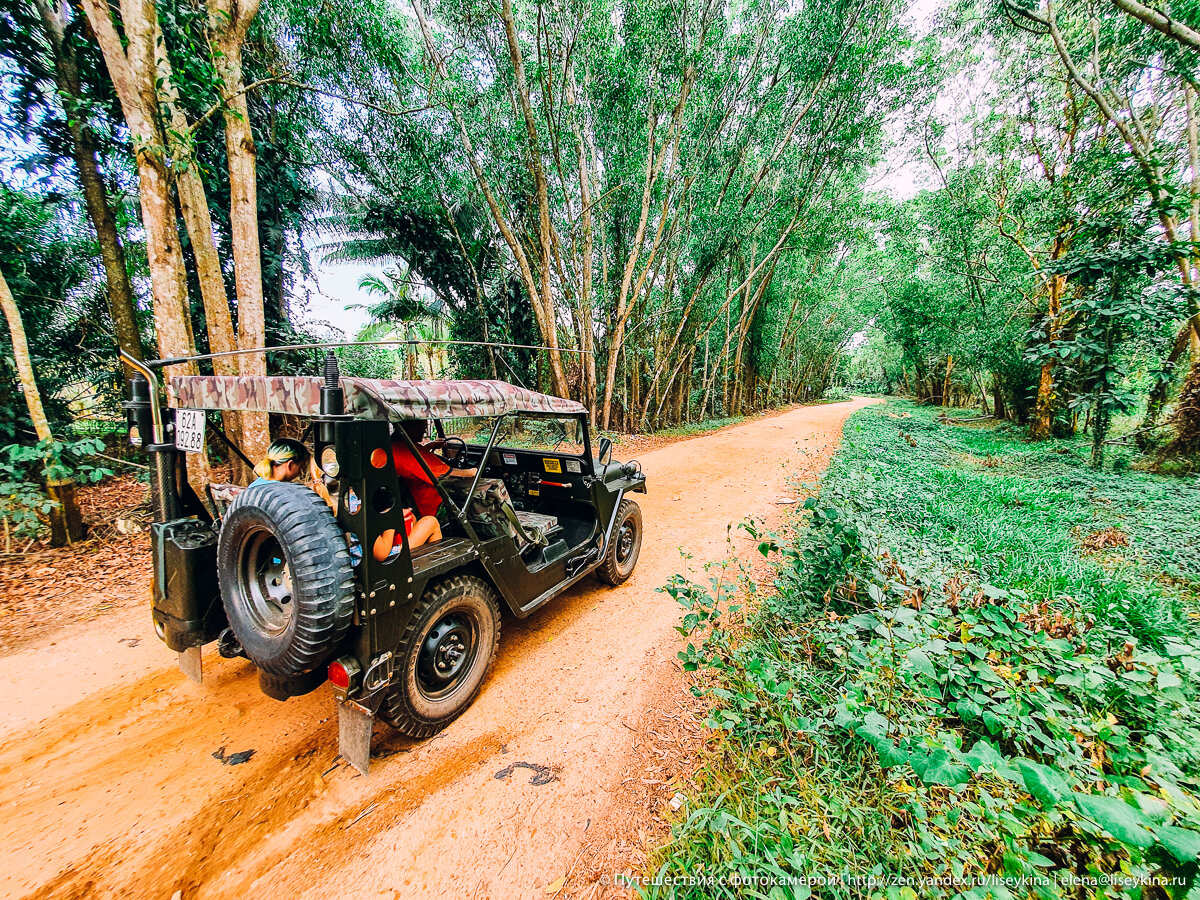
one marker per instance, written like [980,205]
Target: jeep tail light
[342,671]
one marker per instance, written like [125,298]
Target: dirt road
[111,782]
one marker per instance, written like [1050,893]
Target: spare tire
[285,576]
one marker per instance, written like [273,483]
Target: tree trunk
[1100,421]
[542,299]
[131,61]
[1159,392]
[1047,400]
[228,23]
[66,526]
[16,330]
[946,380]
[121,306]
[983,397]
[193,205]
[1187,416]
[998,408]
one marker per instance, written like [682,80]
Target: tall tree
[66,526]
[229,21]
[46,47]
[130,56]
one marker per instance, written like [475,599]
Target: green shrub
[944,689]
[24,470]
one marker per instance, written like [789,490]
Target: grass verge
[978,676]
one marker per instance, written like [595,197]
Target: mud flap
[354,734]
[191,664]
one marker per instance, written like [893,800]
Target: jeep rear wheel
[285,577]
[624,546]
[445,655]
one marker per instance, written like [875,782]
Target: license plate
[189,430]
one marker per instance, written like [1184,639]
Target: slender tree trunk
[946,381]
[630,290]
[983,397]
[16,331]
[121,306]
[1162,387]
[66,525]
[229,22]
[1047,400]
[197,220]
[543,299]
[998,408]
[131,61]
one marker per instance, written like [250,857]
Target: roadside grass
[1014,513]
[979,660]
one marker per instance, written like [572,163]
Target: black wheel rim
[266,582]
[626,540]
[447,654]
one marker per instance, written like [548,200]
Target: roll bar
[155,412]
[324,345]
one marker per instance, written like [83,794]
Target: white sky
[334,287]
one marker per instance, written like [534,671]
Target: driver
[424,494]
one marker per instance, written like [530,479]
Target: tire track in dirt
[117,793]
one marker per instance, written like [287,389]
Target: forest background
[677,199]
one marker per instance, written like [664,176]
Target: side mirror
[606,449]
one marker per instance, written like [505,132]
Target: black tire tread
[609,572]
[395,711]
[317,554]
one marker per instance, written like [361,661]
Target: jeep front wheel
[445,655]
[624,545]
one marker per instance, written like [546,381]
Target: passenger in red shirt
[424,494]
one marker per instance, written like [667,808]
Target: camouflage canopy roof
[366,398]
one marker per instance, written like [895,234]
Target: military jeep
[287,579]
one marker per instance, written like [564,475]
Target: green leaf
[939,768]
[1045,784]
[865,621]
[1168,679]
[967,709]
[889,754]
[876,722]
[982,754]
[1116,817]
[1182,843]
[920,661]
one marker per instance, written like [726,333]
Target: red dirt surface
[112,782]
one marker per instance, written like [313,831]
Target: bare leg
[426,531]
[383,545]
